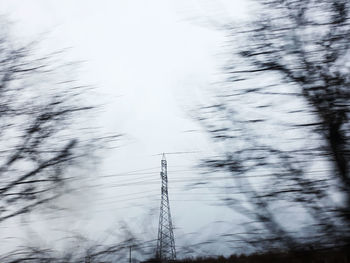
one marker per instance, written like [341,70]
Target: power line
[167,153]
[198,179]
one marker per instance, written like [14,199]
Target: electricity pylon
[166,242]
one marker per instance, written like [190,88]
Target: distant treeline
[309,256]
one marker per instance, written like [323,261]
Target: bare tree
[78,252]
[281,121]
[40,109]
[80,249]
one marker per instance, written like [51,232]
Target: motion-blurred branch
[41,109]
[298,49]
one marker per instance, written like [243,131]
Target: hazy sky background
[151,63]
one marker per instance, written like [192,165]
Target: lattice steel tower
[166,242]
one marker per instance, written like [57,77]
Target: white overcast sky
[151,61]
